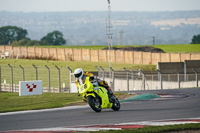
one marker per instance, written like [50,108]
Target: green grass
[75,47]
[181,48]
[158,129]
[172,48]
[30,72]
[87,66]
[10,102]
[13,102]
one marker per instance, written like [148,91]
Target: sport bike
[97,97]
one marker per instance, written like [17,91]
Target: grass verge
[181,48]
[86,65]
[43,73]
[186,128]
[13,102]
[172,48]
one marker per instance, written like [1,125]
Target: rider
[81,76]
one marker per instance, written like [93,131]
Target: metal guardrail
[140,80]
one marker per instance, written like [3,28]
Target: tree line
[196,39]
[17,36]
[89,28]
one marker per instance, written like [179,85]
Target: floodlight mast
[109,35]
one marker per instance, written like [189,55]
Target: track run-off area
[164,107]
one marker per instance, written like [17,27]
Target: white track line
[142,123]
[73,129]
[45,110]
[150,123]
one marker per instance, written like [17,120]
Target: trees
[16,36]
[8,34]
[26,42]
[54,38]
[196,39]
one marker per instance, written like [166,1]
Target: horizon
[96,11]
[97,5]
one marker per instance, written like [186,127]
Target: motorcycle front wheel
[94,103]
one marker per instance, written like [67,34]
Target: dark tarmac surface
[186,104]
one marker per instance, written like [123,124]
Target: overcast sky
[98,5]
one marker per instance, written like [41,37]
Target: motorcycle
[97,97]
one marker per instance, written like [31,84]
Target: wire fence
[61,79]
[54,79]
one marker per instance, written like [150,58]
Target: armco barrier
[68,54]
[139,80]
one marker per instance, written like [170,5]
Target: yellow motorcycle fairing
[104,97]
[87,89]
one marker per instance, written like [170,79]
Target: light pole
[109,35]
[153,40]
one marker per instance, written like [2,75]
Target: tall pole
[121,37]
[109,35]
[153,40]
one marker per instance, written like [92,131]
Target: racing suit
[93,79]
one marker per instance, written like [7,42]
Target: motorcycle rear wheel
[94,103]
[116,105]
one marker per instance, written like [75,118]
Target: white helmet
[78,73]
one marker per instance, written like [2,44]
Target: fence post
[197,80]
[11,75]
[36,71]
[59,78]
[22,72]
[185,71]
[49,77]
[160,77]
[70,78]
[103,72]
[69,69]
[98,71]
[0,78]
[132,76]
[143,77]
[113,78]
[178,76]
[127,77]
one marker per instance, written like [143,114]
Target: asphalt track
[173,104]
